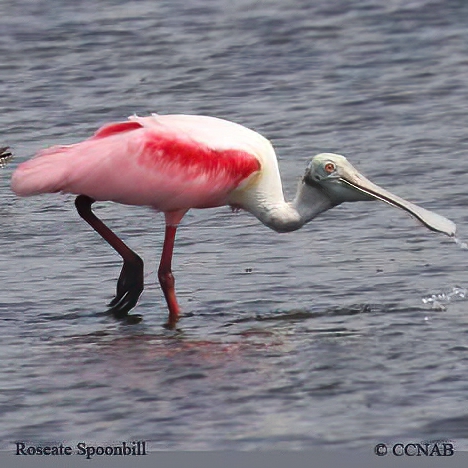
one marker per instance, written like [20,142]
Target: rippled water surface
[351,331]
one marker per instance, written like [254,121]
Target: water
[329,336]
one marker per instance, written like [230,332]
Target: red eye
[329,167]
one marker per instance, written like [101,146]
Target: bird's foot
[169,325]
[172,320]
[129,288]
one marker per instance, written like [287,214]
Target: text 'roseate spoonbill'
[176,162]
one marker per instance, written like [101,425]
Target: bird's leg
[130,283]
[166,278]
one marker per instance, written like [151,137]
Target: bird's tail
[45,173]
[70,168]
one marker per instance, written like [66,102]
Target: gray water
[348,332]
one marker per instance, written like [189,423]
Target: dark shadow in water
[337,311]
[226,330]
[447,428]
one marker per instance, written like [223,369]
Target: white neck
[285,217]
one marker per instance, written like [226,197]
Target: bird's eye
[329,167]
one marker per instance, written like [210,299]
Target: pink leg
[166,278]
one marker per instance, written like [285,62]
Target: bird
[5,156]
[177,162]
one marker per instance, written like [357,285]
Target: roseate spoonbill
[176,162]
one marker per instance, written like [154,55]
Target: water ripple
[314,338]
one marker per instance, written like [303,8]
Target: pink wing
[158,165]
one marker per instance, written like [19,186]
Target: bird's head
[336,177]
[340,182]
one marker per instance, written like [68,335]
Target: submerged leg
[130,283]
[166,278]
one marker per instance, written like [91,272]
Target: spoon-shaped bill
[430,219]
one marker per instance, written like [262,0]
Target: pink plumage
[171,163]
[158,161]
